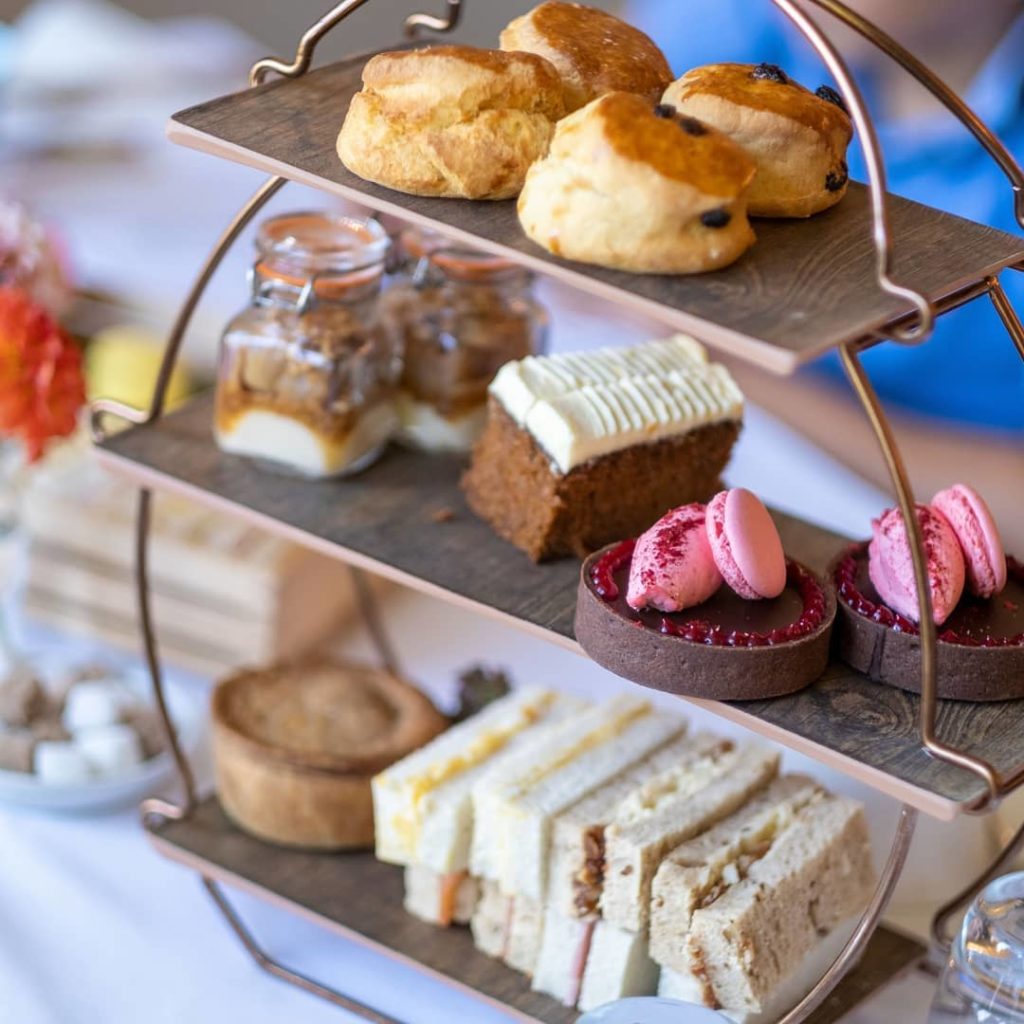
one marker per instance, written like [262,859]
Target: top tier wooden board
[405,519]
[805,287]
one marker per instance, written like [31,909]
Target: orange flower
[41,382]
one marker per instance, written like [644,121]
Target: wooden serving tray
[405,519]
[358,897]
[804,288]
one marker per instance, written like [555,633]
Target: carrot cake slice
[581,449]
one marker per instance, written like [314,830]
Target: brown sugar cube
[49,728]
[16,748]
[22,699]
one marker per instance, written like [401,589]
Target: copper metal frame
[911,327]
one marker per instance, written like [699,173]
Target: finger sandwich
[440,899]
[513,802]
[738,909]
[671,809]
[576,873]
[594,961]
[423,808]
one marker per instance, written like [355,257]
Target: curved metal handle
[100,408]
[929,647]
[876,171]
[938,88]
[307,44]
[449,21]
[312,36]
[858,941]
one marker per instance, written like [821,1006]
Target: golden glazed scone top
[417,81]
[682,149]
[594,50]
[738,84]
[322,714]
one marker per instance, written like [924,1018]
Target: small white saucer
[134,785]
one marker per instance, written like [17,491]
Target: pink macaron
[672,567]
[976,530]
[746,545]
[892,570]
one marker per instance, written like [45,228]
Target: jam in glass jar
[309,369]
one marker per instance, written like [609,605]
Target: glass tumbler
[983,980]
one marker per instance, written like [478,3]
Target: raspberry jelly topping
[976,622]
[804,597]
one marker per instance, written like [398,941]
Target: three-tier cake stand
[874,269]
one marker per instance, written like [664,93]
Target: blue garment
[969,371]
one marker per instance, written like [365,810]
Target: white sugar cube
[94,703]
[110,749]
[60,762]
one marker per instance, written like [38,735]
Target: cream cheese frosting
[580,406]
[520,384]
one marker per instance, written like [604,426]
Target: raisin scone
[798,138]
[624,187]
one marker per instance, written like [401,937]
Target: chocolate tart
[980,649]
[727,648]
[295,747]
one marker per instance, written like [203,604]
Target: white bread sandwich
[619,965]
[588,963]
[526,926]
[491,922]
[738,909]
[507,928]
[669,810]
[576,868]
[423,812]
[440,899]
[513,805]
[564,952]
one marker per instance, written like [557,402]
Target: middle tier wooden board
[805,287]
[405,519]
[358,897]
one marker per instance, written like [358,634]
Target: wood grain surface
[805,287]
[386,520]
[360,897]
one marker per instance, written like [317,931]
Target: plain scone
[593,52]
[451,121]
[622,187]
[798,139]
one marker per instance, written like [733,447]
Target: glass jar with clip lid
[462,315]
[308,370]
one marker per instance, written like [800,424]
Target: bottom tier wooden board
[360,898]
[405,519]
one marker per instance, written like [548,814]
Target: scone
[624,187]
[798,138]
[593,52]
[451,121]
